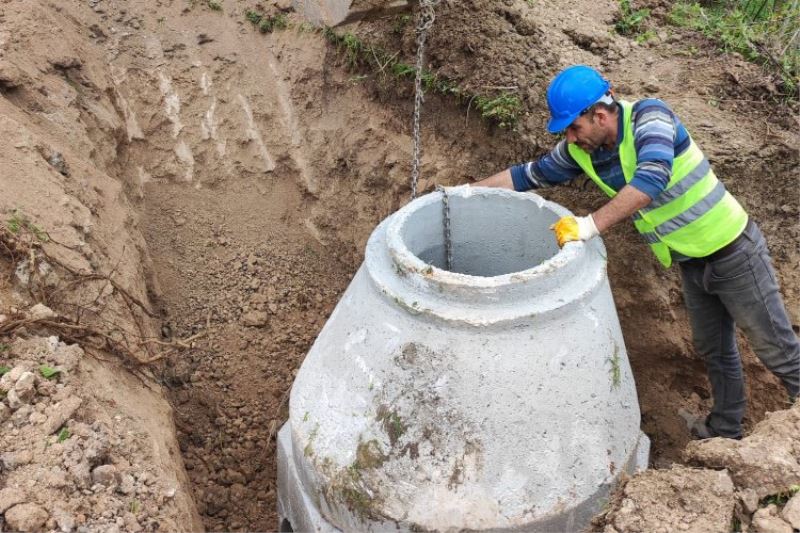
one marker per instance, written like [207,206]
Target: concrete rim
[414,266]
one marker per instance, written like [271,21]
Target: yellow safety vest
[694,215]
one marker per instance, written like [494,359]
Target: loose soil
[258,164]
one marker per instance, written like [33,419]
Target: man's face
[586,132]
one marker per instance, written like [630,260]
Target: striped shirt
[659,137]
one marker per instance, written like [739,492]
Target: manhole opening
[491,235]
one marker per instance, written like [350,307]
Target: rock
[130,522]
[64,519]
[81,473]
[764,461]
[11,77]
[12,460]
[749,500]
[26,386]
[26,517]
[702,500]
[126,485]
[40,312]
[57,161]
[766,521]
[10,378]
[255,318]
[14,401]
[9,497]
[791,512]
[66,357]
[106,475]
[60,413]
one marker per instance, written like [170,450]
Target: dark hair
[610,108]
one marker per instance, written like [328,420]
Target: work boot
[701,430]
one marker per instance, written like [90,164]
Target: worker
[641,155]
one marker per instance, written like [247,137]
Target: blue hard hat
[571,92]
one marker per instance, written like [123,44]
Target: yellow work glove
[574,229]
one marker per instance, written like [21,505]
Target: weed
[135,506]
[305,27]
[267,24]
[780,498]
[4,347]
[161,20]
[48,372]
[214,5]
[767,37]
[63,435]
[19,221]
[646,36]
[253,16]
[4,370]
[14,223]
[400,23]
[631,20]
[305,417]
[503,109]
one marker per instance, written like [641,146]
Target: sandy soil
[239,175]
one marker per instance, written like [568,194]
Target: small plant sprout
[48,372]
[63,435]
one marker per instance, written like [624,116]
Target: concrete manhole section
[494,396]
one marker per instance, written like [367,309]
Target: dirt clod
[26,517]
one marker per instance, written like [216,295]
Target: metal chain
[448,243]
[426,17]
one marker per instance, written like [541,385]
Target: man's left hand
[574,229]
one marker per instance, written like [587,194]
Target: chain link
[426,17]
[448,243]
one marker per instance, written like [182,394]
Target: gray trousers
[739,289]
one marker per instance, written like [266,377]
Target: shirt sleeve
[654,137]
[555,168]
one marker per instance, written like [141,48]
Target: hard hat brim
[557,125]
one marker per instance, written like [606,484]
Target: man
[644,159]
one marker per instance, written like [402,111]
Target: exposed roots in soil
[85,323]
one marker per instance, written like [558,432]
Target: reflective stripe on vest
[694,215]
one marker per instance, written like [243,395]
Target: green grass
[631,21]
[501,108]
[63,435]
[767,36]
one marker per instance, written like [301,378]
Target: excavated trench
[259,165]
[257,260]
